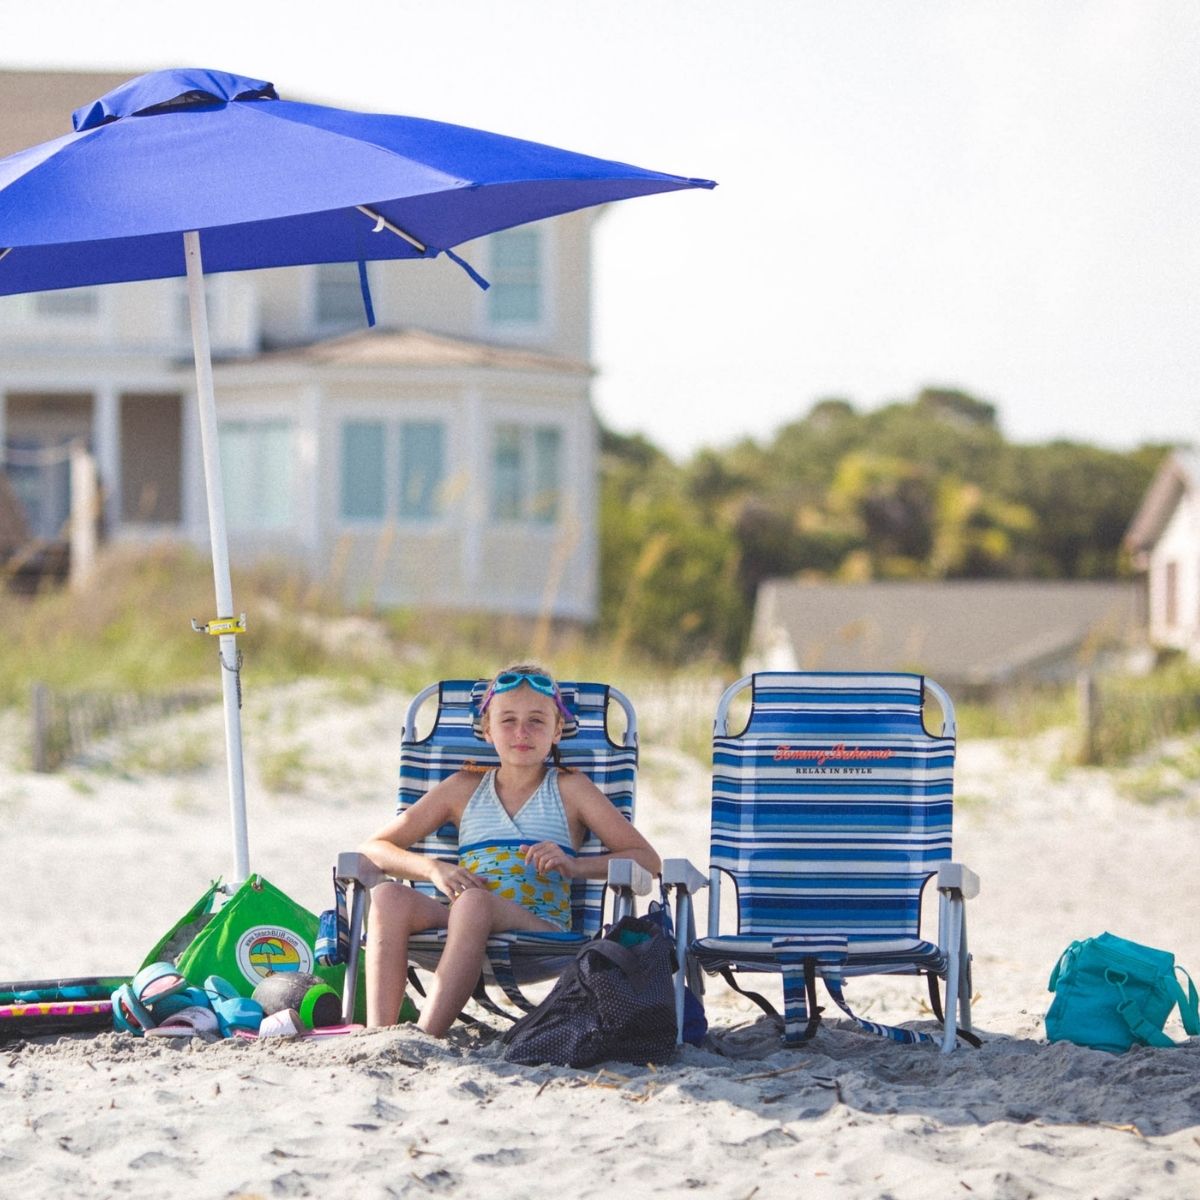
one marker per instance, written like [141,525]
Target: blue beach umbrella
[178,164]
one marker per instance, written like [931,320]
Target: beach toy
[36,1007]
[316,1003]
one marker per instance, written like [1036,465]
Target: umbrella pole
[228,651]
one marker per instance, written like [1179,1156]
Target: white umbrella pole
[230,689]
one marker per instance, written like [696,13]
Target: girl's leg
[474,916]
[396,912]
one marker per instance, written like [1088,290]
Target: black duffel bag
[615,1001]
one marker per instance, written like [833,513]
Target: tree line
[923,489]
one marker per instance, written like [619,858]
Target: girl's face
[522,725]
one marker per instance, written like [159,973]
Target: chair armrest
[352,865]
[679,872]
[955,877]
[624,873]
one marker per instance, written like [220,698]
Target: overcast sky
[998,196]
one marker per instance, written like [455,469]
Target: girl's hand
[452,880]
[547,857]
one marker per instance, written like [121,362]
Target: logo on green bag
[267,948]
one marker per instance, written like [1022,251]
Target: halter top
[488,841]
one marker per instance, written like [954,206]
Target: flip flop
[155,982]
[189,1022]
[129,1015]
[168,1006]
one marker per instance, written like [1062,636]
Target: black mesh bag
[615,1001]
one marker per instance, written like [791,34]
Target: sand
[101,858]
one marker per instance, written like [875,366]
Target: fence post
[1089,716]
[85,505]
[40,697]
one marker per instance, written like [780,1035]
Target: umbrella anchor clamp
[221,626]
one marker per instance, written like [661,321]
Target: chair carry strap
[935,1002]
[894,1032]
[757,997]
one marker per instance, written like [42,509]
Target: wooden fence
[65,723]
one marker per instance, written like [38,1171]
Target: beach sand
[99,860]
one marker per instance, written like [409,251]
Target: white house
[446,458]
[1164,541]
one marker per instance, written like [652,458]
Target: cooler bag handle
[1189,1003]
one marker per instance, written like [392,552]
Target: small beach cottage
[445,459]
[1164,543]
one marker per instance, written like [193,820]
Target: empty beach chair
[454,742]
[831,812]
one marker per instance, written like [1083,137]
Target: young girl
[543,814]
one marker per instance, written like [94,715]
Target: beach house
[446,458]
[1164,543]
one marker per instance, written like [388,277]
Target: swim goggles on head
[506,681]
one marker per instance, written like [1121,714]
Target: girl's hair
[527,668]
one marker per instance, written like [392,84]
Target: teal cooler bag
[259,929]
[1110,994]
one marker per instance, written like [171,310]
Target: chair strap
[799,1000]
[757,997]
[935,1002]
[907,1036]
[502,969]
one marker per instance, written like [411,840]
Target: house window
[70,303]
[369,448]
[257,467]
[363,485]
[527,473]
[339,295]
[422,467]
[515,297]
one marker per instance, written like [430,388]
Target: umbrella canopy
[176,159]
[271,183]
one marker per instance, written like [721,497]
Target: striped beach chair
[831,812]
[455,742]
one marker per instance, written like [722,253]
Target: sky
[1002,197]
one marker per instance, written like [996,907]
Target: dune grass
[130,632]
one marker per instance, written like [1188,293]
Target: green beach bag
[257,930]
[1110,994]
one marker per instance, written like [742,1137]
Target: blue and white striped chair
[831,811]
[454,742]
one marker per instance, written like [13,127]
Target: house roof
[973,632]
[1178,475]
[382,347]
[37,105]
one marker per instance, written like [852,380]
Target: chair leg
[683,922]
[965,985]
[360,900]
[954,935]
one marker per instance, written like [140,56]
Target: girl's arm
[584,801]
[388,847]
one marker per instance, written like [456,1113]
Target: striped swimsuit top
[488,842]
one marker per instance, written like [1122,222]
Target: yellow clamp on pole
[221,625]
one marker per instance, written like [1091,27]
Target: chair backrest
[833,806]
[454,742]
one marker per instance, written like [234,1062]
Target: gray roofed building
[970,635]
